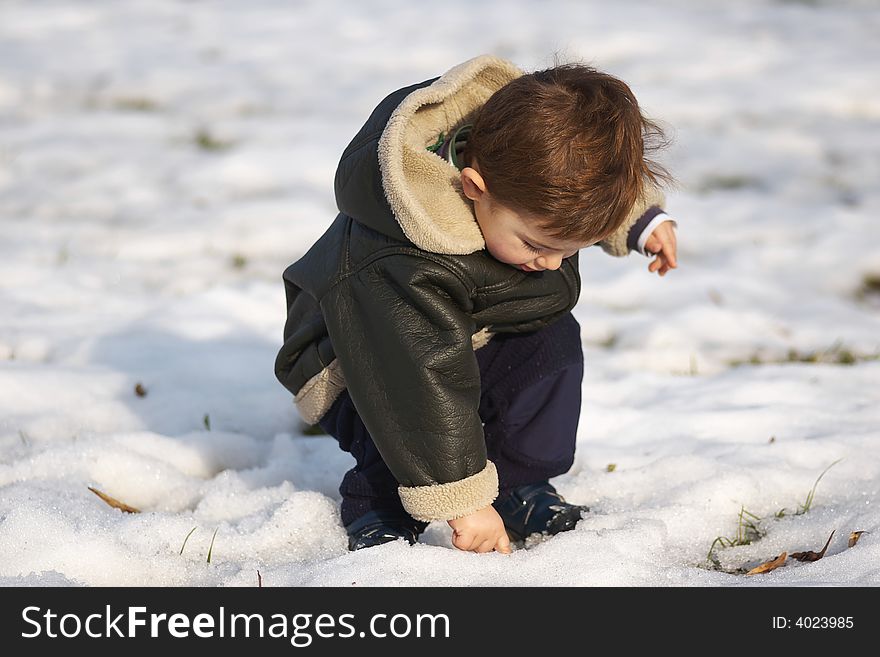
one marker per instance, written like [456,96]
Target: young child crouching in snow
[429,329]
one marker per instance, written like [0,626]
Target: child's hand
[481,531]
[662,244]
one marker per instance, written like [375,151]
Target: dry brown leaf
[139,389]
[769,565]
[854,537]
[810,555]
[112,501]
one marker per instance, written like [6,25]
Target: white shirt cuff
[646,233]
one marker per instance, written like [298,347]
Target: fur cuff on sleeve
[616,244]
[452,500]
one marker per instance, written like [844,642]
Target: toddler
[429,329]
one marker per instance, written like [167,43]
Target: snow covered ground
[162,162]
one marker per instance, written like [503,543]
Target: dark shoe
[536,508]
[378,527]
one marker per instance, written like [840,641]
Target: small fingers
[653,245]
[663,243]
[669,253]
[471,543]
[464,541]
[661,265]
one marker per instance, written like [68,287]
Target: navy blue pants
[530,405]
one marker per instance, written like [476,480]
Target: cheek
[508,251]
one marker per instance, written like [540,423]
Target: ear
[472,184]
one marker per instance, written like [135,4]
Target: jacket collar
[422,188]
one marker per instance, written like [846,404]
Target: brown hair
[567,145]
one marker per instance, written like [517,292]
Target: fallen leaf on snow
[854,537]
[769,565]
[810,555]
[112,501]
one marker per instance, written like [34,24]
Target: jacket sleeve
[616,243]
[401,329]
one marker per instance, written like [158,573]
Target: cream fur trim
[452,500]
[481,338]
[616,243]
[423,189]
[318,394]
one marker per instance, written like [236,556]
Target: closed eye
[531,248]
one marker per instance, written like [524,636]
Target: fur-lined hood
[423,200]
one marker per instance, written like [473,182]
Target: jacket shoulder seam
[410,251]
[501,286]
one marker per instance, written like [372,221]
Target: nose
[551,262]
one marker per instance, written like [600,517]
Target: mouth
[524,268]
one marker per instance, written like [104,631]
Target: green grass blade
[211,548]
[808,503]
[186,539]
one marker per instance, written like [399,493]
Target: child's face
[514,238]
